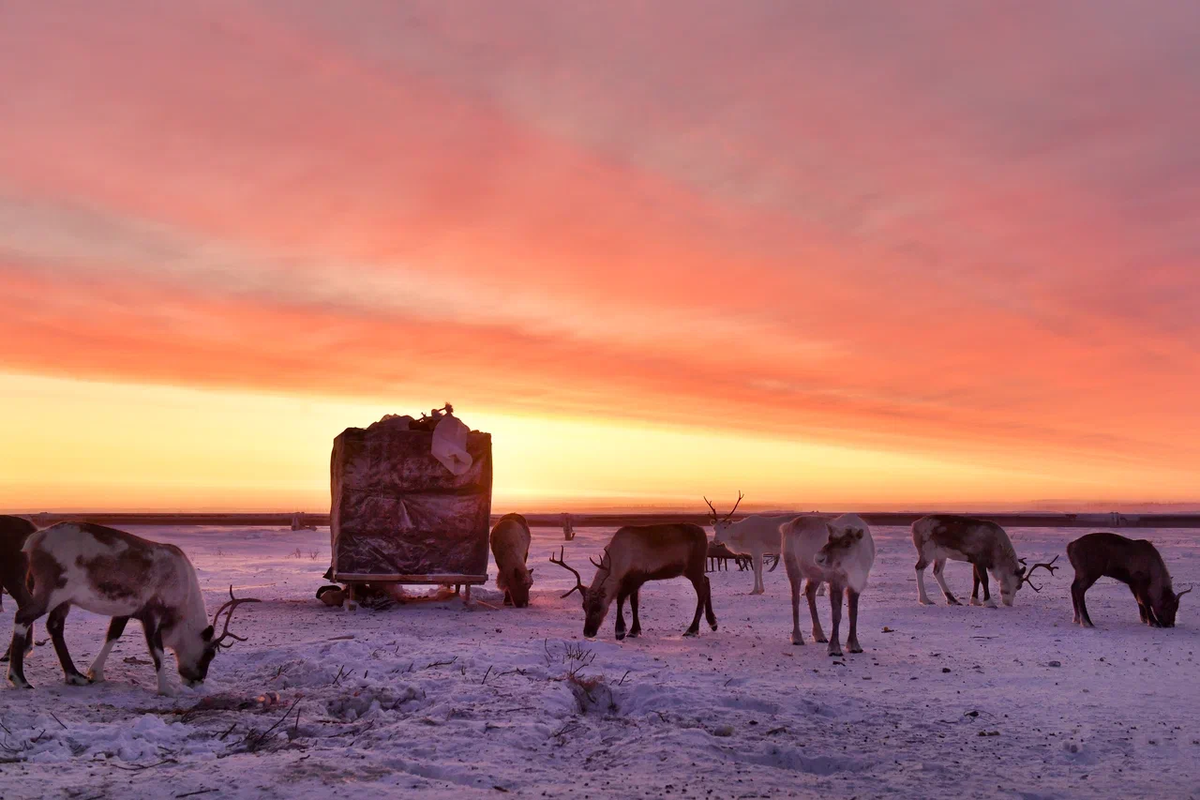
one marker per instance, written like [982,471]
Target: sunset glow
[920,256]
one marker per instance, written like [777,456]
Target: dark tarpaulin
[398,512]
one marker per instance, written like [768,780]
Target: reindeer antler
[716,517]
[562,563]
[735,505]
[601,565]
[1049,567]
[227,609]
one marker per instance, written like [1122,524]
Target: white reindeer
[839,552]
[111,572]
[510,547]
[754,536]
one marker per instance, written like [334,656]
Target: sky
[912,254]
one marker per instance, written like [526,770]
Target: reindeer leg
[155,644]
[1142,594]
[698,585]
[797,636]
[620,614]
[1078,587]
[922,597]
[14,584]
[938,566]
[55,624]
[975,585]
[987,594]
[115,628]
[852,640]
[810,591]
[22,635]
[835,605]
[757,562]
[636,630]
[708,609]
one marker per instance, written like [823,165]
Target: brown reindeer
[510,547]
[983,544]
[14,567]
[640,553]
[111,572]
[1135,563]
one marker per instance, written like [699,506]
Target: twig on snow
[440,663]
[140,767]
[254,741]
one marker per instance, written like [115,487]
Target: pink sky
[959,232]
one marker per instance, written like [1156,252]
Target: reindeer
[634,555]
[755,536]
[985,545]
[111,572]
[14,567]
[510,547]
[837,551]
[1135,563]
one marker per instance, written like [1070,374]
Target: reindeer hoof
[925,601]
[77,680]
[950,601]
[620,635]
[713,626]
[990,604]
[759,591]
[853,647]
[975,601]
[690,634]
[820,638]
[797,639]
[95,677]
[634,634]
[19,683]
[835,653]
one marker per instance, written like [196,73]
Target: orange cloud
[902,234]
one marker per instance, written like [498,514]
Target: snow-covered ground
[432,698]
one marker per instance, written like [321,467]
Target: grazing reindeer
[1137,564]
[755,536]
[510,546]
[640,553]
[111,572]
[985,545]
[839,552]
[14,567]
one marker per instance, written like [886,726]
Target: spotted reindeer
[107,571]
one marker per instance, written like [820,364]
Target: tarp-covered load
[411,505]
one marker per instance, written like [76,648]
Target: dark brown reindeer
[111,572]
[983,544]
[1135,563]
[14,567]
[640,553]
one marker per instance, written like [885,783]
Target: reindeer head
[194,653]
[1011,582]
[843,537]
[721,524]
[595,609]
[1169,607]
[518,586]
